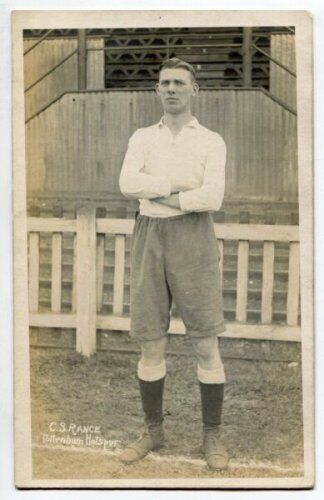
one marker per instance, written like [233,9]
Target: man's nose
[171,87]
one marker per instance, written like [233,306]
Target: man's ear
[157,88]
[195,89]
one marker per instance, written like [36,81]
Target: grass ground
[262,417]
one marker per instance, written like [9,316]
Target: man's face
[175,88]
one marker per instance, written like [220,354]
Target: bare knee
[153,352]
[207,352]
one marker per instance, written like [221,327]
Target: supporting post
[82,59]
[247,57]
[86,281]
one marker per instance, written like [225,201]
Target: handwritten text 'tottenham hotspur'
[72,434]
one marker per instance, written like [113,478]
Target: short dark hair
[175,62]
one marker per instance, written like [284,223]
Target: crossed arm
[170,201]
[135,183]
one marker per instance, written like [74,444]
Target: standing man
[176,168]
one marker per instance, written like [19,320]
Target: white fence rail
[88,283]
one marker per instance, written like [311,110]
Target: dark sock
[152,399]
[212,396]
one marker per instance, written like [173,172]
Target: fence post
[86,281]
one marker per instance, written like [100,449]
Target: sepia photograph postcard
[163,249]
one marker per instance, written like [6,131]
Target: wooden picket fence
[88,270]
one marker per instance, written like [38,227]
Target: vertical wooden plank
[82,59]
[96,64]
[221,258]
[232,130]
[100,269]
[247,57]
[267,281]
[74,274]
[118,300]
[293,285]
[33,272]
[242,281]
[56,291]
[86,281]
[101,238]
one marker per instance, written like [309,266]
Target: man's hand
[170,201]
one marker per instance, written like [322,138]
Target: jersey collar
[193,123]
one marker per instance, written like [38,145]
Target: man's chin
[172,108]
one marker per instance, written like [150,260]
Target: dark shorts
[175,258]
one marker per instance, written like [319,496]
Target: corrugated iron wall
[78,144]
[64,78]
[283,84]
